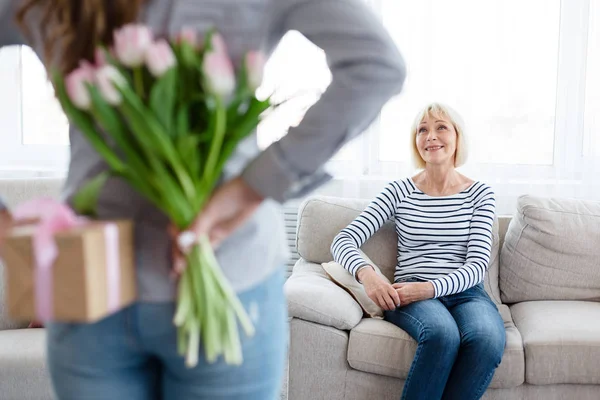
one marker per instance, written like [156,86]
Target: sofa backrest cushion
[552,251]
[321,218]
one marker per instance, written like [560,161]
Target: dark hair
[76,27]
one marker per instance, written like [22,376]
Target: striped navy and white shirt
[445,240]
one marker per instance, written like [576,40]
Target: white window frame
[14,155]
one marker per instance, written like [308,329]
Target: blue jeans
[461,341]
[133,355]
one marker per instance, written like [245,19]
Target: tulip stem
[138,81]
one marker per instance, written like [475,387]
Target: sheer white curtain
[591,144]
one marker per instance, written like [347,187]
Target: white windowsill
[6,174]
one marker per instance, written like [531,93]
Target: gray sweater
[367,71]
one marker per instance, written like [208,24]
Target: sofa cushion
[312,296]
[551,251]
[5,321]
[344,279]
[321,218]
[17,191]
[561,339]
[382,348]
[24,374]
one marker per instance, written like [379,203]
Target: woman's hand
[227,209]
[409,292]
[378,290]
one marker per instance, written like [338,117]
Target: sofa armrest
[312,296]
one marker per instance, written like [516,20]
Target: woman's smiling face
[436,140]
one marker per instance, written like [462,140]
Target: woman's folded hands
[390,296]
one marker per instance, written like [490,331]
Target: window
[523,75]
[44,123]
[515,71]
[295,87]
[35,131]
[495,66]
[296,76]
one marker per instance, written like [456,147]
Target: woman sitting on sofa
[444,224]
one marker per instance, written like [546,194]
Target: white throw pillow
[346,281]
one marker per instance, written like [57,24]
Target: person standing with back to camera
[132,354]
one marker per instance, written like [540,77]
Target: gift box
[90,275]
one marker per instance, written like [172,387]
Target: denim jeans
[461,340]
[133,355]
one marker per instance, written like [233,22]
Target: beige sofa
[544,277]
[23,371]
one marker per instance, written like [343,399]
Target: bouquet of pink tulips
[166,117]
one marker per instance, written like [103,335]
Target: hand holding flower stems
[228,208]
[173,114]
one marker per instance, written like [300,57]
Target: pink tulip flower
[77,90]
[255,65]
[131,44]
[218,44]
[219,74]
[189,36]
[160,58]
[108,79]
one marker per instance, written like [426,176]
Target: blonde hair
[76,27]
[440,110]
